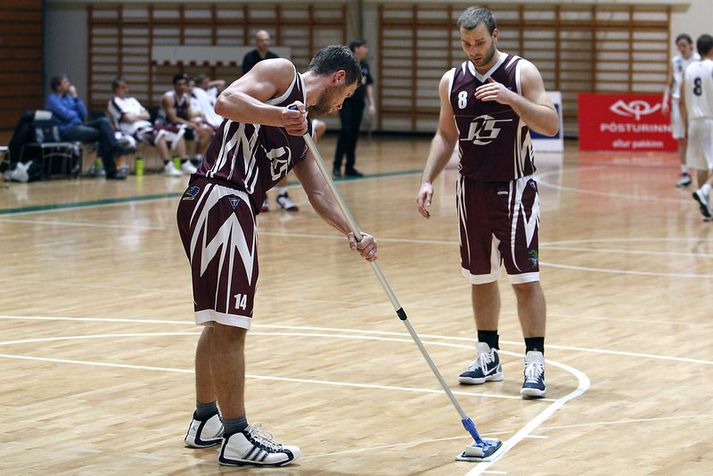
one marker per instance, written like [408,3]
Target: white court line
[623,271]
[249,376]
[627,252]
[540,181]
[367,332]
[532,425]
[255,377]
[627,421]
[82,224]
[583,382]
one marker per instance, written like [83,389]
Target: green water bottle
[177,163]
[139,167]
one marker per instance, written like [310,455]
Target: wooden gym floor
[97,339]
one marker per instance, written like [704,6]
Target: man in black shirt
[351,114]
[262,52]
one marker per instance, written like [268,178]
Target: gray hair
[474,16]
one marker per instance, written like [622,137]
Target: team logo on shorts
[191,193]
[533,258]
[234,202]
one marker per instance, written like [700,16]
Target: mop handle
[379,274]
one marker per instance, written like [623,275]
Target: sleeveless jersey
[678,66]
[494,143]
[254,157]
[699,90]
[180,106]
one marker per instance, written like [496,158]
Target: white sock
[684,169]
[281,190]
[706,188]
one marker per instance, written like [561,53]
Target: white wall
[696,20]
[65,44]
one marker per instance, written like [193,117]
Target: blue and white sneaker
[204,433]
[484,368]
[254,447]
[534,384]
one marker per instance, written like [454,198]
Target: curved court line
[582,379]
[368,332]
[583,385]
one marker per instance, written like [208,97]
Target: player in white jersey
[132,119]
[679,63]
[697,109]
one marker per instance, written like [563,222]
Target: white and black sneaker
[684,181]
[285,202]
[534,384]
[702,199]
[204,433]
[254,447]
[484,368]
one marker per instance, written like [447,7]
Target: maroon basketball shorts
[219,235]
[498,222]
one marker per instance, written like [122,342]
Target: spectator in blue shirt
[70,114]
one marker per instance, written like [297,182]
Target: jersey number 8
[697,87]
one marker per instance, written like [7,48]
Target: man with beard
[257,144]
[488,105]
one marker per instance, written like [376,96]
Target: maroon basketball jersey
[494,143]
[253,157]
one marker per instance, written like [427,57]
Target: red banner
[622,121]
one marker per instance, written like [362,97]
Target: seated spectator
[176,111]
[206,93]
[132,119]
[70,114]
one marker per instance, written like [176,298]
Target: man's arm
[682,106]
[245,99]
[370,96]
[667,95]
[442,146]
[323,202]
[533,105]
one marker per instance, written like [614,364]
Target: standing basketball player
[679,63]
[257,144]
[488,106]
[697,109]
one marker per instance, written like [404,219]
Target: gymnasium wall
[20,59]
[66,30]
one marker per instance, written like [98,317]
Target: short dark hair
[704,44]
[200,78]
[116,82]
[354,44]
[56,80]
[474,16]
[331,59]
[684,36]
[179,77]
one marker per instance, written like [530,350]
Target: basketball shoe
[285,202]
[486,367]
[702,199]
[254,447]
[684,181]
[204,433]
[534,384]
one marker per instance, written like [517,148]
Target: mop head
[480,452]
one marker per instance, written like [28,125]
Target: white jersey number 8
[462,99]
